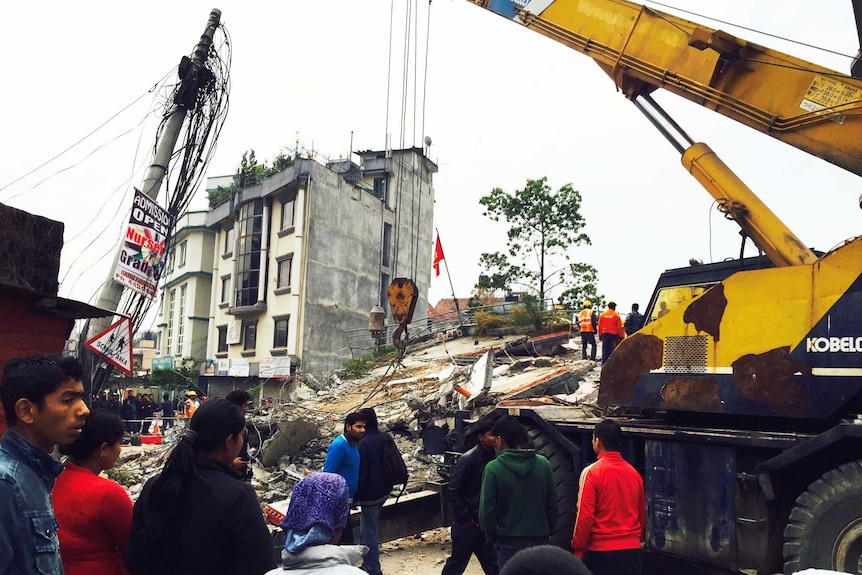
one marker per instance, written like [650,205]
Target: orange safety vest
[189,408]
[585,320]
[610,322]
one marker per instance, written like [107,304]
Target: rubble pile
[415,401]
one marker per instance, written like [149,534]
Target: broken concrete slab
[292,435]
[534,382]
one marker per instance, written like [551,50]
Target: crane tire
[824,530]
[566,482]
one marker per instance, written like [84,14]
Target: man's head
[510,433]
[354,427]
[240,398]
[544,559]
[587,303]
[635,307]
[612,305]
[43,399]
[370,418]
[484,429]
[607,436]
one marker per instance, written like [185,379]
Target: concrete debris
[415,401]
[292,435]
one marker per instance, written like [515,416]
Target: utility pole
[193,75]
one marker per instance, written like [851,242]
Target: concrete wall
[344,251]
[336,247]
[196,275]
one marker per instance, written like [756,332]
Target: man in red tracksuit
[611,509]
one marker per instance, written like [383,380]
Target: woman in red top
[94,513]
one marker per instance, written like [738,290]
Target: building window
[222,339]
[280,336]
[248,261]
[287,213]
[228,241]
[381,189]
[169,266]
[384,291]
[249,335]
[387,243]
[225,289]
[181,322]
[285,265]
[172,302]
[183,251]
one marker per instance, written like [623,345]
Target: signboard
[209,367]
[115,345]
[233,331]
[166,362]
[142,257]
[223,367]
[239,368]
[277,367]
[826,93]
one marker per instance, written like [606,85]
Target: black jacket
[372,485]
[466,483]
[217,529]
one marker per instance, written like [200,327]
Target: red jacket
[95,516]
[611,506]
[610,322]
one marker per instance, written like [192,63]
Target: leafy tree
[543,225]
[583,286]
[181,377]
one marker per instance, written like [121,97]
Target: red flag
[438,257]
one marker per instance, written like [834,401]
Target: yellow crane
[741,403]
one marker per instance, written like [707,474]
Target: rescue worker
[191,404]
[611,330]
[587,319]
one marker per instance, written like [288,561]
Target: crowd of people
[139,411]
[199,516]
[609,326]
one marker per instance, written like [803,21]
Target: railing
[451,323]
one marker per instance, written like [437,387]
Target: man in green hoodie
[518,502]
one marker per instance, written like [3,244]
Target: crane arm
[805,105]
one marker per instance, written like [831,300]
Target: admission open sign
[142,257]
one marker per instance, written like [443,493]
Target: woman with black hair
[94,513]
[197,516]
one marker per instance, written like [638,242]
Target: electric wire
[75,165]
[755,30]
[201,128]
[422,132]
[103,124]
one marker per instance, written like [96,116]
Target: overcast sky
[501,104]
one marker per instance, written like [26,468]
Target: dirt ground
[422,554]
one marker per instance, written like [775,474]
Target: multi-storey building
[186,289]
[306,253]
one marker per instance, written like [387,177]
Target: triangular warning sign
[115,345]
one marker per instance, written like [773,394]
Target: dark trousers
[467,541]
[609,342]
[588,338]
[626,562]
[508,546]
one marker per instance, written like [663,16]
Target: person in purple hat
[315,518]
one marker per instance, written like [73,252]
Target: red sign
[115,345]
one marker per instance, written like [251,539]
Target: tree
[181,377]
[543,226]
[583,287]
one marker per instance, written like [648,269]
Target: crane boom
[810,107]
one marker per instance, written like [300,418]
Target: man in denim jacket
[43,399]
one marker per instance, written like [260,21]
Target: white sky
[503,104]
